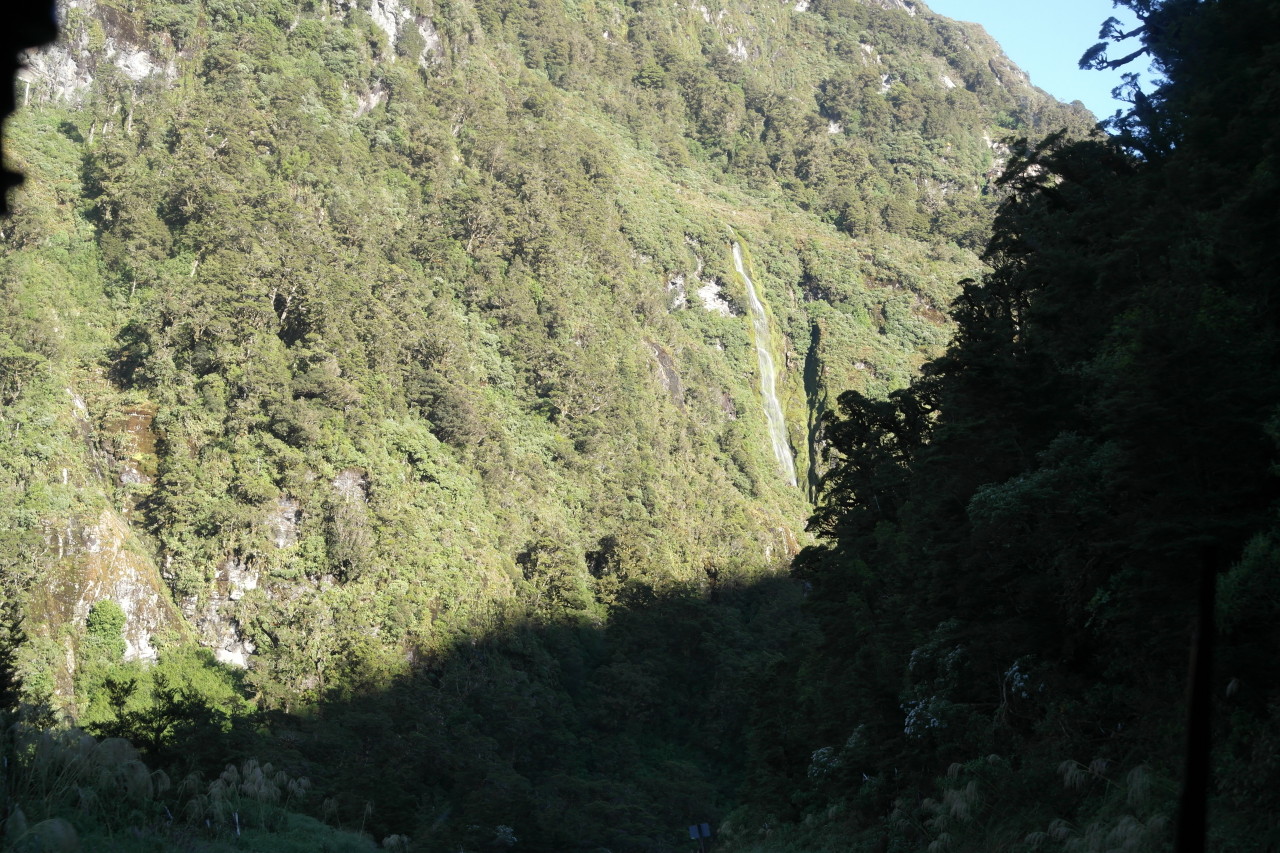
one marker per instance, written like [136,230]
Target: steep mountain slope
[339,334]
[406,292]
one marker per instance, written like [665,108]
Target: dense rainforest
[538,425]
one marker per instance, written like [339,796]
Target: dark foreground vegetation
[550,736]
[988,650]
[1021,544]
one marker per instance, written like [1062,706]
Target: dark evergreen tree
[1021,543]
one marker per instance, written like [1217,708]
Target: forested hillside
[441,300]
[402,403]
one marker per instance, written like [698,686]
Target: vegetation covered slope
[396,351]
[1021,546]
[415,319]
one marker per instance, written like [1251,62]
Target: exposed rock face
[230,648]
[54,74]
[434,50]
[676,289]
[904,5]
[237,578]
[709,291]
[215,620]
[65,70]
[713,300]
[368,101]
[392,17]
[667,373]
[352,484]
[222,631]
[98,560]
[282,522]
[93,554]
[388,14]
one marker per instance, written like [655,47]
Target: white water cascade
[768,374]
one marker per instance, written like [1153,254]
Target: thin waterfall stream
[768,374]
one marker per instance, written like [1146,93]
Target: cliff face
[400,315]
[96,559]
[96,39]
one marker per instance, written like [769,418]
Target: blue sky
[1045,38]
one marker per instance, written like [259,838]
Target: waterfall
[768,374]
